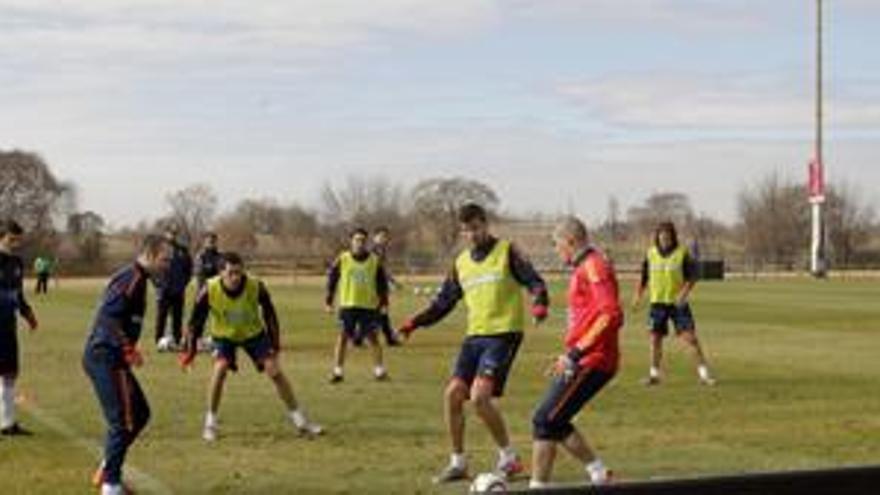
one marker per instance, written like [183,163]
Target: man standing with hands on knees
[242,316]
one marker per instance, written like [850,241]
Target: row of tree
[772,228]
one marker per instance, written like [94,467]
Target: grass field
[797,362]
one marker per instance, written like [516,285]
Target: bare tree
[87,231]
[438,200]
[30,193]
[849,221]
[658,207]
[300,226]
[775,221]
[236,234]
[192,209]
[263,216]
[365,202]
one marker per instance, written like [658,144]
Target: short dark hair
[472,211]
[152,243]
[382,229]
[10,226]
[358,230]
[666,227]
[232,258]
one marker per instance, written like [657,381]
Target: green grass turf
[797,362]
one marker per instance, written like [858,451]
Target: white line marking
[143,480]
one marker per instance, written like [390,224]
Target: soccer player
[12,304]
[669,275]
[171,293]
[489,276]
[111,352]
[242,316]
[590,359]
[358,280]
[208,260]
[381,241]
[43,270]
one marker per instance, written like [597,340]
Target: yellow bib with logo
[357,282]
[235,319]
[665,275]
[493,297]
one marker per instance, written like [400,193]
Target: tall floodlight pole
[817,167]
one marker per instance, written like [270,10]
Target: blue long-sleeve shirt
[179,273]
[208,264]
[12,300]
[120,314]
[451,291]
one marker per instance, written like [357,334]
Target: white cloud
[186,25]
[688,101]
[688,15]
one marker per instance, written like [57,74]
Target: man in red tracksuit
[590,359]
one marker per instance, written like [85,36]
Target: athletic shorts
[563,401]
[358,323]
[488,357]
[660,314]
[259,349]
[8,352]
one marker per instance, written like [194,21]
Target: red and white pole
[818,265]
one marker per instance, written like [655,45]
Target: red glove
[190,347]
[539,312]
[132,356]
[32,322]
[186,358]
[407,328]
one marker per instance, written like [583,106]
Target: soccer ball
[489,483]
[165,344]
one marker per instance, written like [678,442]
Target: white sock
[210,420]
[537,485]
[108,489]
[337,370]
[703,371]
[7,402]
[298,418]
[457,460]
[379,370]
[654,372]
[507,454]
[597,470]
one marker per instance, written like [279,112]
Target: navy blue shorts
[681,316]
[259,348]
[8,352]
[358,323]
[563,401]
[487,357]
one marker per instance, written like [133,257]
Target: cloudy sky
[559,104]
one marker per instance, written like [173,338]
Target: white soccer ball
[489,483]
[165,344]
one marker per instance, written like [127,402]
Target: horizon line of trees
[772,227]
